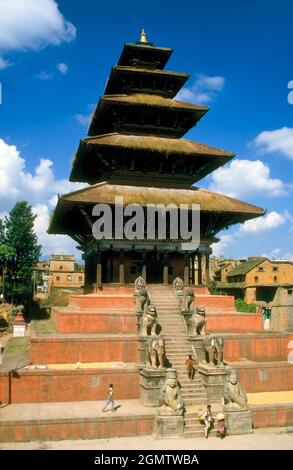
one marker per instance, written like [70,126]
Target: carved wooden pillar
[99,269]
[143,269]
[165,269]
[192,269]
[207,268]
[186,270]
[199,268]
[121,267]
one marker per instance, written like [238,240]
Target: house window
[289,291]
[255,279]
[261,269]
[61,267]
[275,278]
[79,278]
[57,278]
[275,268]
[69,278]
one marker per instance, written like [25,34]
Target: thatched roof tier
[101,157]
[72,215]
[144,113]
[145,55]
[143,80]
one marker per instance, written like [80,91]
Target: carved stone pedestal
[187,316]
[150,383]
[142,348]
[168,426]
[197,345]
[213,379]
[238,422]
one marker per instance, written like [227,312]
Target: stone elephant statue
[196,324]
[148,323]
[155,352]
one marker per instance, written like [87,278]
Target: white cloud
[278,140]
[31,25]
[219,249]
[39,188]
[276,254]
[269,222]
[45,76]
[84,119]
[60,244]
[243,178]
[203,90]
[253,228]
[4,64]
[63,68]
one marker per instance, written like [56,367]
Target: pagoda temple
[135,149]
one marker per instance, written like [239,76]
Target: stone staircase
[177,351]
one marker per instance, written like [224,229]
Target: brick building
[257,279]
[65,273]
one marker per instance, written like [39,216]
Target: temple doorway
[154,268]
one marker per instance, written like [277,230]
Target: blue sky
[238,54]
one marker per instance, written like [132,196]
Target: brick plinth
[276,415]
[95,348]
[216,303]
[36,386]
[235,322]
[82,428]
[95,321]
[103,300]
[265,377]
[257,347]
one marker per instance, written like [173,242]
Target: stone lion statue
[142,300]
[148,321]
[170,395]
[235,398]
[213,348]
[155,352]
[196,324]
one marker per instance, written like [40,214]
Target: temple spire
[143,37]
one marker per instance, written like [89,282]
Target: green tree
[20,236]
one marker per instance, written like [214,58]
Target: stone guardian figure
[197,322]
[148,322]
[170,395]
[235,397]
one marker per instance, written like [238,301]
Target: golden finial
[143,37]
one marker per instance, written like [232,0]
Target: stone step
[190,394]
[191,420]
[194,401]
[180,353]
[192,387]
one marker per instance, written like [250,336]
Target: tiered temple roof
[135,146]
